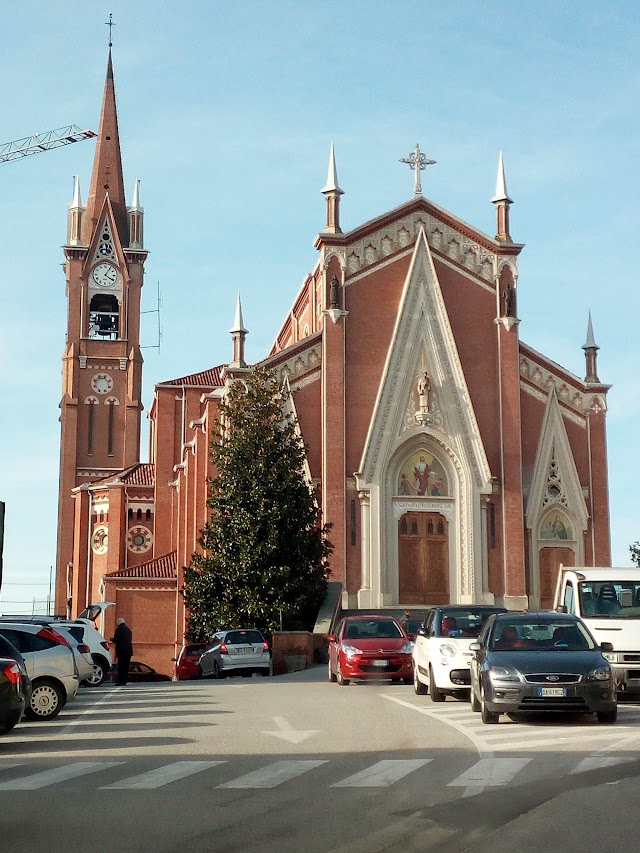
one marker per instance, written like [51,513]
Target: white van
[608,601]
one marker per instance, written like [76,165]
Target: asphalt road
[297,765]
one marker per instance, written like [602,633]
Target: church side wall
[307,401]
[166,427]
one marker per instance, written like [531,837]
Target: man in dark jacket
[124,650]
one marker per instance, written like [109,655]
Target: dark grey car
[540,662]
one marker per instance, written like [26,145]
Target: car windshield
[370,629]
[610,599]
[462,623]
[553,635]
[239,638]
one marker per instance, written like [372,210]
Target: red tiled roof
[211,378]
[162,568]
[142,474]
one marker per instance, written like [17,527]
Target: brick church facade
[455,463]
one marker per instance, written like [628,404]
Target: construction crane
[43,142]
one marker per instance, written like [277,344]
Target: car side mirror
[475,647]
[561,608]
[606,647]
[331,638]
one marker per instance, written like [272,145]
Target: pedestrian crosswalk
[223,773]
[525,734]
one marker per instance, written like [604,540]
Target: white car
[50,664]
[441,654]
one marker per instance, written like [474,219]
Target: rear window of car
[236,638]
[27,642]
[77,633]
[365,629]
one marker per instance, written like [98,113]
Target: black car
[139,671]
[15,687]
[540,662]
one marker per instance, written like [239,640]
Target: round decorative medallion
[102,383]
[139,539]
[100,539]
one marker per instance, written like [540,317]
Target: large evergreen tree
[265,554]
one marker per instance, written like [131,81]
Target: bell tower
[101,405]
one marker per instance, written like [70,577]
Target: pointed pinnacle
[332,176]
[591,341]
[77,199]
[238,325]
[501,184]
[135,204]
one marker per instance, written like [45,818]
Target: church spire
[502,201]
[332,193]
[591,354]
[107,178]
[239,333]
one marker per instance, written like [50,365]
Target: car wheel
[419,687]
[47,700]
[332,677]
[436,694]
[407,680]
[488,717]
[608,716]
[475,704]
[342,681]
[265,673]
[217,672]
[98,675]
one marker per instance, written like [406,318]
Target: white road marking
[163,775]
[383,773]
[287,732]
[273,774]
[489,773]
[58,774]
[70,727]
[594,762]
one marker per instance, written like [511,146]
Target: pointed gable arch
[555,477]
[423,339]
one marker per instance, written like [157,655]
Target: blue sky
[227,112]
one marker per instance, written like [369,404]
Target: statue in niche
[334,298]
[424,390]
[509,299]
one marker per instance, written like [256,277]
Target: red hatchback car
[187,664]
[366,647]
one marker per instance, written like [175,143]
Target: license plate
[380,662]
[243,651]
[552,691]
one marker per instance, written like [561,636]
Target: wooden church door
[423,558]
[550,560]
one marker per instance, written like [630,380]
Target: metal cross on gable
[417,161]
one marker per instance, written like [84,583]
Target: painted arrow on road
[287,732]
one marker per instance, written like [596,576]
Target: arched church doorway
[556,536]
[423,558]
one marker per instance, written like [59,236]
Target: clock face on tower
[102,383]
[105,275]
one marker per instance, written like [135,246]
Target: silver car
[241,650]
[50,664]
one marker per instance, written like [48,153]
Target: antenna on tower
[156,311]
